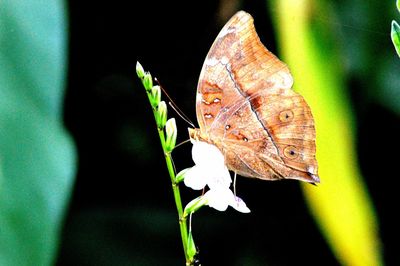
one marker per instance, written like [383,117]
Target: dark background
[122,210]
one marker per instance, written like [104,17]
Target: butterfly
[246,107]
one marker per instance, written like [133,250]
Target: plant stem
[177,194]
[146,81]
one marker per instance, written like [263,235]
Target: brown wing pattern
[246,107]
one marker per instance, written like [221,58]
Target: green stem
[171,171]
[175,189]
[177,194]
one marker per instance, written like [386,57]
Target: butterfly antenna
[183,142]
[181,114]
[175,106]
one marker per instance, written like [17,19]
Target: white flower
[210,170]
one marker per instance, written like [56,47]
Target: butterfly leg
[234,184]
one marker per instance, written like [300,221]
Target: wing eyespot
[290,152]
[286,116]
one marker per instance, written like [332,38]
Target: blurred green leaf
[395,35]
[36,154]
[398,5]
[340,204]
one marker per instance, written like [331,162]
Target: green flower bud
[191,247]
[181,175]
[161,114]
[139,70]
[147,81]
[194,205]
[155,96]
[171,133]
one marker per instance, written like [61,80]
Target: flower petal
[239,205]
[195,178]
[219,198]
[210,169]
[219,177]
[207,154]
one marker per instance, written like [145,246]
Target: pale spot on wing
[226,31]
[205,102]
[212,61]
[311,169]
[199,96]
[216,100]
[224,60]
[256,75]
[287,80]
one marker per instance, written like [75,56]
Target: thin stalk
[177,194]
[160,117]
[175,188]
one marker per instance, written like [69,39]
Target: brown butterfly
[245,106]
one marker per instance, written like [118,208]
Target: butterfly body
[246,107]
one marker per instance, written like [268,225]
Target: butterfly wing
[216,89]
[245,106]
[278,145]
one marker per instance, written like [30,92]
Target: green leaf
[395,35]
[36,154]
[398,5]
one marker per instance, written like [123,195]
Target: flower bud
[194,205]
[171,133]
[191,247]
[181,175]
[147,81]
[139,70]
[161,114]
[155,96]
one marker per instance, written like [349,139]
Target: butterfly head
[196,135]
